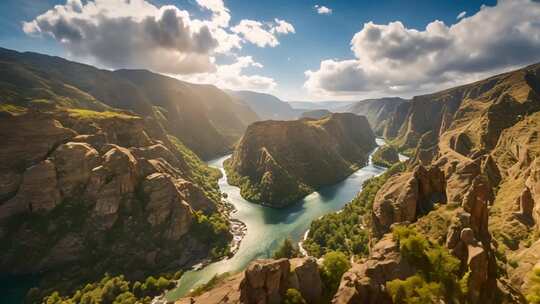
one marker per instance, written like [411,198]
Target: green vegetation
[293,296]
[214,281]
[89,114]
[438,277]
[204,176]
[286,250]
[414,290]
[335,264]
[533,295]
[291,189]
[114,290]
[385,156]
[11,108]
[214,230]
[344,230]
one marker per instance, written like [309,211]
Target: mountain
[456,223]
[316,114]
[97,176]
[332,106]
[205,118]
[468,194]
[266,106]
[376,110]
[278,162]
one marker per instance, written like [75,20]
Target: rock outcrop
[265,282]
[278,162]
[365,282]
[404,197]
[105,186]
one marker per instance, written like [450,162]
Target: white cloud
[461,15]
[231,76]
[256,33]
[262,34]
[167,39]
[322,10]
[221,15]
[282,27]
[392,59]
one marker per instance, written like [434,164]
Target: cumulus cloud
[282,27]
[461,15]
[393,59]
[262,34]
[166,39]
[133,34]
[322,10]
[231,76]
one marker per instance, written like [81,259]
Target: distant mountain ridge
[205,118]
[267,107]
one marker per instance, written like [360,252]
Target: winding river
[268,227]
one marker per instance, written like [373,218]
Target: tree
[414,290]
[335,264]
[293,296]
[286,250]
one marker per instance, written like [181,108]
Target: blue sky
[316,37]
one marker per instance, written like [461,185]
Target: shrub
[534,282]
[334,265]
[434,264]
[414,290]
[286,250]
[293,296]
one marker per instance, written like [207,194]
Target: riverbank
[268,227]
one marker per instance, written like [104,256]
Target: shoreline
[300,247]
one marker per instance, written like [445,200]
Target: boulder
[364,283]
[305,277]
[165,205]
[265,281]
[195,196]
[112,183]
[74,163]
[405,196]
[38,191]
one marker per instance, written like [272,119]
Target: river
[268,227]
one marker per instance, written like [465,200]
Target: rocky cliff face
[378,111]
[83,193]
[205,118]
[476,152]
[266,282]
[278,162]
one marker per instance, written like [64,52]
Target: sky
[296,50]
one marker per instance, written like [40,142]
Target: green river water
[268,227]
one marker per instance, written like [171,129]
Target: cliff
[377,110]
[84,192]
[278,162]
